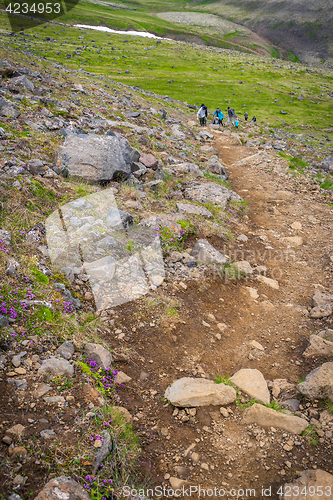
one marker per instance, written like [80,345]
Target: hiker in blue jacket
[218,117]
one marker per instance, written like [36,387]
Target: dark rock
[7,109]
[94,158]
[3,321]
[35,167]
[66,350]
[138,169]
[22,81]
[133,114]
[67,294]
[291,404]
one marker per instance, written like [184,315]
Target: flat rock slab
[192,392]
[319,481]
[318,383]
[204,252]
[94,158]
[209,192]
[63,488]
[55,366]
[292,241]
[267,417]
[252,382]
[269,282]
[187,208]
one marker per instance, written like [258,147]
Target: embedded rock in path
[204,252]
[293,241]
[191,392]
[319,480]
[209,192]
[98,353]
[187,208]
[318,383]
[267,417]
[269,281]
[55,366]
[41,390]
[318,347]
[320,299]
[189,168]
[252,382]
[63,488]
[321,311]
[94,158]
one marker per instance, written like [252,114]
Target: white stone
[252,382]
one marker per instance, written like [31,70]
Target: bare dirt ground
[229,454]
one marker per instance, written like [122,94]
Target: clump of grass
[311,434]
[223,379]
[329,406]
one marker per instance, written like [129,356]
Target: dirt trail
[276,318]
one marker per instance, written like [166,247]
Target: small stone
[17,430]
[20,371]
[224,412]
[204,466]
[40,390]
[122,378]
[54,399]
[98,443]
[19,451]
[7,440]
[47,434]
[255,345]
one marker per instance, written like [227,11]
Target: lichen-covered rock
[94,158]
[209,192]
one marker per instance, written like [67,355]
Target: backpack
[232,111]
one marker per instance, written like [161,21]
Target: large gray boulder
[267,417]
[210,192]
[321,482]
[318,383]
[63,488]
[23,82]
[94,158]
[191,392]
[204,252]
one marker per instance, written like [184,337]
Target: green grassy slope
[191,73]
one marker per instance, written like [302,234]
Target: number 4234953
[40,8]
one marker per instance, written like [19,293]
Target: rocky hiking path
[258,323]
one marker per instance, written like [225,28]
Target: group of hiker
[233,119]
